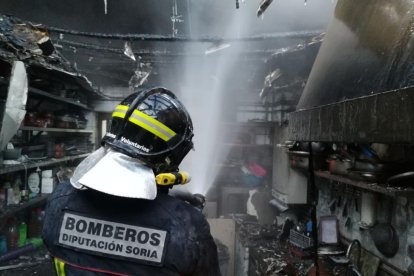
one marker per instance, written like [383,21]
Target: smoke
[207,85]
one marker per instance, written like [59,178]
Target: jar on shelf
[59,150]
[3,244]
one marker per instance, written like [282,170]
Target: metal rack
[34,164]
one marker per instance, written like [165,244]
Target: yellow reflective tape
[152,125]
[118,114]
[149,128]
[120,111]
[60,267]
[56,266]
[122,107]
[155,122]
[146,122]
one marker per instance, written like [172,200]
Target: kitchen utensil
[12,154]
[300,160]
[375,167]
[368,210]
[385,239]
[345,209]
[402,180]
[339,166]
[368,176]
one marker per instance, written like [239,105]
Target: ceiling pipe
[153,52]
[169,38]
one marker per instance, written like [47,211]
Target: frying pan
[385,239]
[402,180]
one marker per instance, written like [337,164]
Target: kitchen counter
[267,255]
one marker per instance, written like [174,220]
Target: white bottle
[34,184]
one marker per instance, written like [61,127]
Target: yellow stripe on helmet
[155,122]
[146,122]
[122,107]
[120,111]
[118,114]
[152,125]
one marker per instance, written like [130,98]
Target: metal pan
[402,180]
[385,239]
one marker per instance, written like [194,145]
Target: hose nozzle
[173,178]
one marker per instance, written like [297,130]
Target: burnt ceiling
[149,42]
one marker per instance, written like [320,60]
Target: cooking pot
[375,167]
[300,160]
[385,239]
[339,166]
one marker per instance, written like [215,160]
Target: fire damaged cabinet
[358,100]
[47,127]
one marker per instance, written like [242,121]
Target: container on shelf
[3,244]
[12,235]
[22,233]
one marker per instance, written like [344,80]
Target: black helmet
[153,126]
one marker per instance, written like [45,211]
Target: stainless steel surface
[367,49]
[405,179]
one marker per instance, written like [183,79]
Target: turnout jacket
[92,233]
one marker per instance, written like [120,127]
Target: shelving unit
[246,145]
[250,124]
[11,210]
[36,91]
[34,164]
[374,187]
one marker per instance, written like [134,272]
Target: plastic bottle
[34,184]
[32,224]
[22,233]
[36,223]
[40,220]
[16,191]
[3,244]
[12,236]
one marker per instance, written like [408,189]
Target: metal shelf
[251,124]
[374,187]
[11,210]
[39,92]
[29,128]
[246,145]
[34,164]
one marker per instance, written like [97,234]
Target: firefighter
[112,218]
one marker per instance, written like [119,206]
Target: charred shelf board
[386,117]
[374,187]
[11,210]
[56,129]
[39,92]
[34,164]
[246,145]
[250,124]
